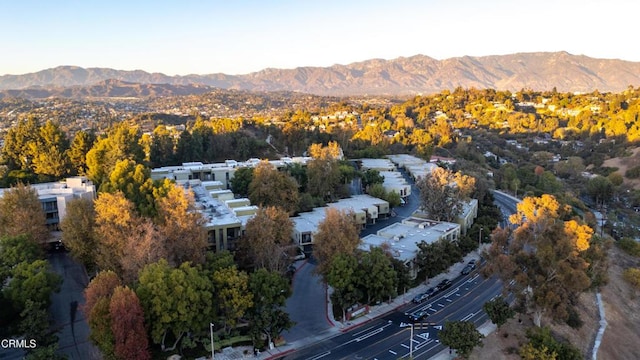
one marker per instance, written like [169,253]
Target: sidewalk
[375,312]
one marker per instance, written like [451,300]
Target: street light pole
[480,239]
[411,343]
[211,331]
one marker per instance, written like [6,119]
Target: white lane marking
[441,305]
[320,356]
[405,346]
[467,317]
[449,300]
[393,352]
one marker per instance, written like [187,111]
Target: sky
[179,37]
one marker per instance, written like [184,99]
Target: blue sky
[242,36]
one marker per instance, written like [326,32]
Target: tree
[127,325]
[78,230]
[231,289]
[632,276]
[270,187]
[21,213]
[530,352]
[323,178]
[241,181]
[101,286]
[175,301]
[122,142]
[34,324]
[498,311]
[267,242]
[96,309]
[134,181]
[182,227]
[116,221]
[600,189]
[161,152]
[80,146]
[15,250]
[16,152]
[49,152]
[376,275]
[461,336]
[146,245]
[545,257]
[270,292]
[442,193]
[342,277]
[337,234]
[32,281]
[370,177]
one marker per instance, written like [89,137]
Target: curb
[293,278]
[284,353]
[327,302]
[343,330]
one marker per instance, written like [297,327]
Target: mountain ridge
[400,76]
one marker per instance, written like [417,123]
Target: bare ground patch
[622,308]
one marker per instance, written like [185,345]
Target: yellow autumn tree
[579,234]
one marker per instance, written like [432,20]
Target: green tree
[80,146]
[49,152]
[32,281]
[461,336]
[15,250]
[175,301]
[542,338]
[232,295]
[600,189]
[134,181]
[34,324]
[270,292]
[16,152]
[498,311]
[376,275]
[342,276]
[78,230]
[161,152]
[337,234]
[370,177]
[241,181]
[21,213]
[122,142]
[323,178]
[270,187]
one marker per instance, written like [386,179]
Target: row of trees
[177,304]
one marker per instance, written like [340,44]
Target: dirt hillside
[622,336]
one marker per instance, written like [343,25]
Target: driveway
[73,330]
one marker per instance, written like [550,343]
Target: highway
[389,337]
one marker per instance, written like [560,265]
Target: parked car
[418,315]
[444,284]
[432,291]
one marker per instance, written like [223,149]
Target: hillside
[401,76]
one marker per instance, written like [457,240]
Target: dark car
[418,315]
[467,269]
[445,284]
[420,298]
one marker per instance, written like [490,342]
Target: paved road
[307,306]
[73,335]
[389,337]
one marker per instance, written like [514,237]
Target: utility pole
[480,239]
[211,331]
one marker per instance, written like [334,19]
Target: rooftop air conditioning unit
[423,225]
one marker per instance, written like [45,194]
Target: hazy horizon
[241,37]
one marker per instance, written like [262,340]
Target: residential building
[55,196]
[401,239]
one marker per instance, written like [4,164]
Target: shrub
[630,246]
[633,173]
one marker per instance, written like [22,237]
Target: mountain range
[401,76]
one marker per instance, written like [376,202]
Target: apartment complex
[401,239]
[55,196]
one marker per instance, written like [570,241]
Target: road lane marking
[405,346]
[415,341]
[393,352]
[441,305]
[320,356]
[364,337]
[452,292]
[449,300]
[467,317]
